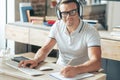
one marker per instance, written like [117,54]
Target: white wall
[13,16]
[113,14]
[11,19]
[10,14]
[2,22]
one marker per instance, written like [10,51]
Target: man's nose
[68,15]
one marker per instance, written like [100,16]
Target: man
[76,40]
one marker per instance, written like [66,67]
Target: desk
[13,74]
[110,46]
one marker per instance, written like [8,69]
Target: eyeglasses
[71,13]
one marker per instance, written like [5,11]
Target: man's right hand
[28,63]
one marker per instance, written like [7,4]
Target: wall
[39,7]
[2,22]
[9,12]
[113,12]
[12,16]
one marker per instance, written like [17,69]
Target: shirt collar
[77,30]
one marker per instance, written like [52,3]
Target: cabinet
[110,55]
[19,34]
[111,68]
[27,33]
[110,49]
[37,36]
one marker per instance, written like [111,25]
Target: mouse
[45,68]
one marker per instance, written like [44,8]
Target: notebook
[58,76]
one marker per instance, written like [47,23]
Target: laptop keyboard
[29,71]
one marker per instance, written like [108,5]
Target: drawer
[16,33]
[110,49]
[38,37]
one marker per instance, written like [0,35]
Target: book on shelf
[36,19]
[51,18]
[23,7]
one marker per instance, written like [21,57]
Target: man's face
[69,14]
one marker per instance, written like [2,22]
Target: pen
[69,62]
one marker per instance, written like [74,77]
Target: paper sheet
[58,76]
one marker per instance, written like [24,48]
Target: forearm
[88,66]
[43,52]
[41,55]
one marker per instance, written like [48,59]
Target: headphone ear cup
[58,11]
[58,14]
[80,9]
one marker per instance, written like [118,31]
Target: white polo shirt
[75,45]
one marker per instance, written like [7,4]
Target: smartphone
[19,58]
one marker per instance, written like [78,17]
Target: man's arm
[45,50]
[40,55]
[93,64]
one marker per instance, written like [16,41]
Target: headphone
[77,2]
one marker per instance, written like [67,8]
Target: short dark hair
[68,1]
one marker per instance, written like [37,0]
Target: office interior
[103,14]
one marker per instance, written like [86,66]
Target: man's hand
[69,71]
[28,63]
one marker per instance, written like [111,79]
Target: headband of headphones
[77,2]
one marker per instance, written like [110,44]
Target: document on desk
[58,76]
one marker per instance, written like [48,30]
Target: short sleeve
[93,38]
[53,30]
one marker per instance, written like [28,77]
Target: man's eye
[72,12]
[64,13]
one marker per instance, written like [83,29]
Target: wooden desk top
[110,46]
[106,35]
[9,73]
